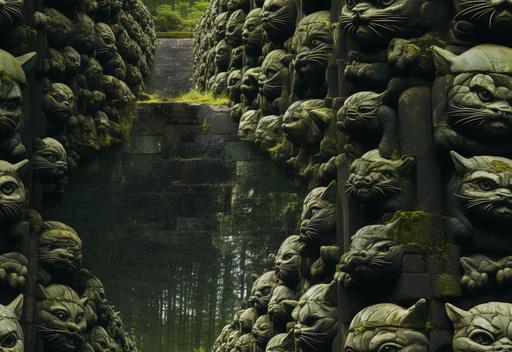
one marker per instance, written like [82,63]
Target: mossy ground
[191,97]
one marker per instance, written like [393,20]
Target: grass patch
[192,97]
[203,98]
[174,35]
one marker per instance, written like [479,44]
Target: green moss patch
[175,35]
[203,98]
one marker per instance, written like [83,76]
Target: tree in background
[176,15]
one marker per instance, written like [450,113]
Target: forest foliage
[176,15]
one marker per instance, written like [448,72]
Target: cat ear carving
[27,61]
[254,277]
[442,60]
[286,59]
[331,294]
[16,306]
[290,304]
[416,316]
[461,163]
[320,117]
[406,166]
[84,301]
[43,293]
[455,314]
[19,168]
[329,194]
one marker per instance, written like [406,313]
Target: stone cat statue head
[261,291]
[247,318]
[269,131]
[60,249]
[375,256]
[274,82]
[61,319]
[358,115]
[388,327]
[253,34]
[222,56]
[12,77]
[279,18]
[318,220]
[100,341]
[280,307]
[376,182]
[219,86]
[105,42]
[312,49]
[11,15]
[287,263]
[262,331]
[487,20]
[245,343]
[237,58]
[248,125]
[234,86]
[481,199]
[13,196]
[220,26]
[249,85]
[302,122]
[485,327]
[473,114]
[49,160]
[372,24]
[58,27]
[58,103]
[234,28]
[315,319]
[11,334]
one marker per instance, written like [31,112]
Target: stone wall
[176,210]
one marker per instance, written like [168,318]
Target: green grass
[192,97]
[174,35]
[203,98]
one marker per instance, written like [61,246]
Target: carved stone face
[116,91]
[222,56]
[237,58]
[49,159]
[245,343]
[279,17]
[279,311]
[60,248]
[247,319]
[11,334]
[105,42]
[319,216]
[253,33]
[386,326]
[312,46]
[274,79]
[11,14]
[220,26]
[58,103]
[100,341]
[299,125]
[484,19]
[358,116]
[374,178]
[13,195]
[234,85]
[375,256]
[71,59]
[248,125]
[219,85]
[375,23]
[485,327]
[261,291]
[249,85]
[287,264]
[483,185]
[115,67]
[93,72]
[61,319]
[234,28]
[269,131]
[315,319]
[262,331]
